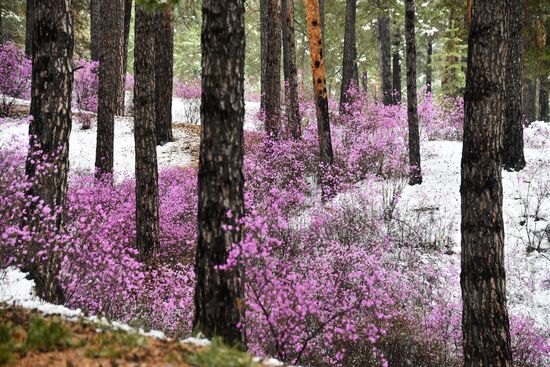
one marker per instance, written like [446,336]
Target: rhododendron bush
[15,76]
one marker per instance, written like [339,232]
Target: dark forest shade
[350,54]
[49,130]
[513,158]
[147,195]
[164,78]
[415,175]
[219,292]
[485,324]
[385,59]
[110,70]
[290,69]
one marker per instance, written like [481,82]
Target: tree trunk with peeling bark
[350,54]
[485,324]
[164,64]
[219,292]
[290,69]
[50,128]
[273,70]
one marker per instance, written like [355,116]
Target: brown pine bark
[219,292]
[95,29]
[350,54]
[513,158]
[30,5]
[415,175]
[49,130]
[485,324]
[273,69]
[110,70]
[396,66]
[429,55]
[164,63]
[315,37]
[290,70]
[147,195]
[385,59]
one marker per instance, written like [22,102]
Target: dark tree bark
[322,18]
[263,50]
[219,292]
[385,59]
[543,101]
[513,158]
[429,56]
[396,66]
[164,74]
[365,81]
[350,54]
[110,70]
[529,101]
[49,130]
[290,69]
[273,70]
[1,22]
[95,29]
[124,54]
[147,195]
[319,81]
[485,324]
[29,8]
[415,175]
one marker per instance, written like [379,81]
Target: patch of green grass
[115,344]
[218,354]
[7,344]
[45,336]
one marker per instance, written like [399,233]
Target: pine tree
[95,28]
[29,8]
[350,54]
[396,65]
[429,68]
[273,69]
[290,69]
[164,64]
[385,58]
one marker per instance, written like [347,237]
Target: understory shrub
[15,76]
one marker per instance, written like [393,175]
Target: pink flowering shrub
[85,86]
[15,76]
[442,118]
[188,90]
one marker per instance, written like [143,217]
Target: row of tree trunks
[219,292]
[272,86]
[415,175]
[290,70]
[385,59]
[164,63]
[350,54]
[485,324]
[52,80]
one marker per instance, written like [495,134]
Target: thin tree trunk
[415,175]
[396,67]
[485,325]
[263,50]
[385,59]
[110,69]
[429,56]
[365,81]
[290,69]
[95,29]
[543,101]
[529,101]
[513,158]
[49,130]
[124,53]
[349,59]
[147,195]
[29,8]
[219,291]
[273,69]
[164,63]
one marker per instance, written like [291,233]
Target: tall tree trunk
[263,49]
[164,74]
[49,130]
[429,56]
[396,68]
[529,101]
[273,69]
[29,9]
[365,81]
[290,69]
[95,29]
[320,89]
[513,158]
[415,175]
[350,54]
[219,291]
[124,53]
[385,58]
[485,325]
[110,69]
[147,195]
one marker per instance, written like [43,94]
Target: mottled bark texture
[147,195]
[319,81]
[396,65]
[485,324]
[529,101]
[124,53]
[29,7]
[350,54]
[290,70]
[273,70]
[415,174]
[429,67]
[219,292]
[164,75]
[385,58]
[110,70]
[49,130]
[95,29]
[513,158]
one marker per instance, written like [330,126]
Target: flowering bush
[85,86]
[188,90]
[15,76]
[442,118]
